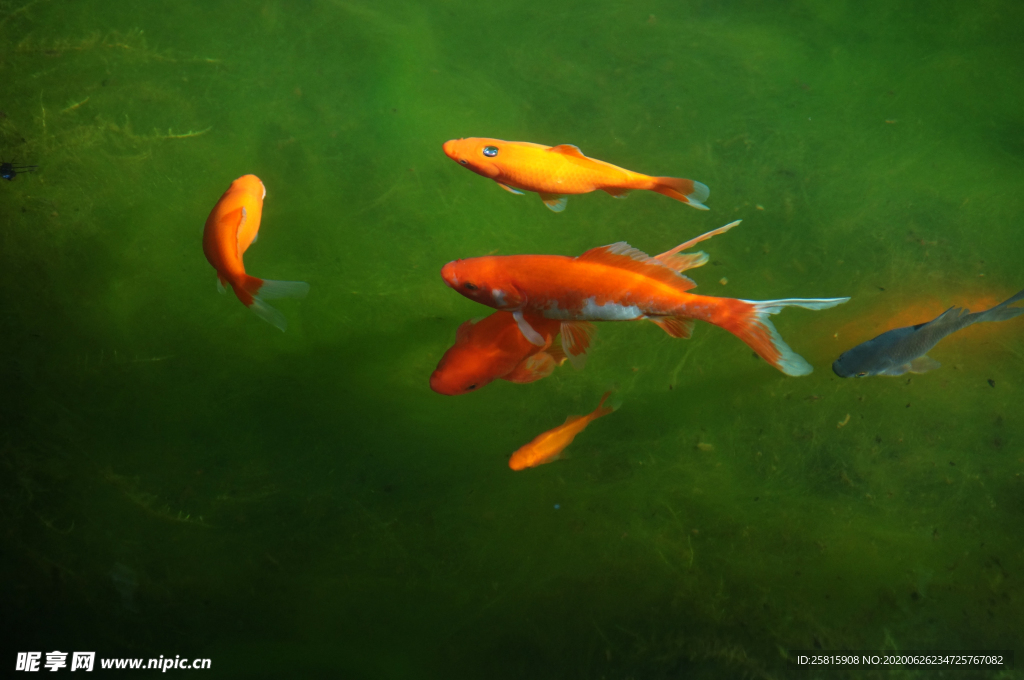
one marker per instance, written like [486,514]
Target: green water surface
[178,477]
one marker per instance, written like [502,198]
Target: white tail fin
[268,313]
[255,291]
[752,326]
[272,290]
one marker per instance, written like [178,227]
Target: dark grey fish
[905,350]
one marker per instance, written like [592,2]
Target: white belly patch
[609,311]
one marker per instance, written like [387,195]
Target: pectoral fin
[510,189]
[923,364]
[237,218]
[527,330]
[533,368]
[575,341]
[234,218]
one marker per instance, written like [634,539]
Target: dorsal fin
[685,261]
[673,259]
[694,241]
[951,315]
[623,256]
[568,150]
[463,332]
[237,218]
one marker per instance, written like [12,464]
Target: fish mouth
[449,275]
[437,384]
[838,370]
[449,149]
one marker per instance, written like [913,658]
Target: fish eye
[464,161]
[862,374]
[470,286]
[490,151]
[471,387]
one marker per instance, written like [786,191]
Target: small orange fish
[230,229]
[557,171]
[495,348]
[548,447]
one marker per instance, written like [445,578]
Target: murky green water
[178,477]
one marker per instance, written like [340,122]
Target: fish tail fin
[685,190]
[253,291]
[1003,311]
[603,410]
[748,321]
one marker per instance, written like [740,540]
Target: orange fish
[557,171]
[548,447]
[494,348]
[230,229]
[620,283]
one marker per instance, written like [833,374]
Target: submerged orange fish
[620,283]
[548,447]
[230,229]
[557,171]
[494,348]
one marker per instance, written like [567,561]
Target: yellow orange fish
[230,229]
[557,171]
[548,447]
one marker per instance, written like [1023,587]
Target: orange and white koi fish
[230,229]
[494,348]
[620,283]
[548,447]
[557,171]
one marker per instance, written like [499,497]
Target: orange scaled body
[230,229]
[494,348]
[557,171]
[548,447]
[620,283]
